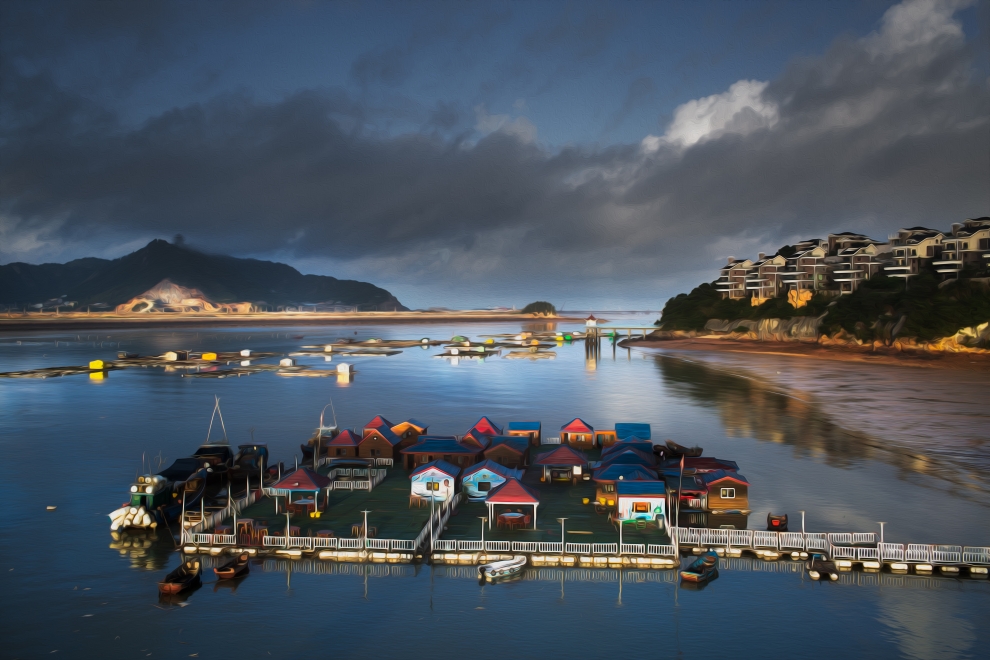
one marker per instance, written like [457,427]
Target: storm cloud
[879,131]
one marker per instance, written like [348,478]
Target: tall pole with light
[561,520]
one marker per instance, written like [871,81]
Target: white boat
[501,569]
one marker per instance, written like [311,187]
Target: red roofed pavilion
[302,480]
[512,492]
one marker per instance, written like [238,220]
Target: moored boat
[187,575]
[675,450]
[504,568]
[237,566]
[820,566]
[702,569]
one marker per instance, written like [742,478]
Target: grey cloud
[389,66]
[862,136]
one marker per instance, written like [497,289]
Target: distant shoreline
[82,320]
[907,358]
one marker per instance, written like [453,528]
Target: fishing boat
[502,569]
[237,567]
[323,434]
[777,522]
[676,451]
[820,566]
[187,575]
[702,569]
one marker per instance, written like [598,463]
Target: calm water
[76,444]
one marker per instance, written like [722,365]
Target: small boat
[777,522]
[236,567]
[820,566]
[702,569]
[187,575]
[504,568]
[676,450]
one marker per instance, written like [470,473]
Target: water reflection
[750,407]
[145,549]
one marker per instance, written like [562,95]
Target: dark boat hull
[235,568]
[707,576]
[184,577]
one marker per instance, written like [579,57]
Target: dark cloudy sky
[472,154]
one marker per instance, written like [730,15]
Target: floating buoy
[209,356]
[96,365]
[50,507]
[246,353]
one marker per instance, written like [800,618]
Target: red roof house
[512,492]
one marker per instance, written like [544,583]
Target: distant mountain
[221,279]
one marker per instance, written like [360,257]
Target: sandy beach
[868,354]
[83,320]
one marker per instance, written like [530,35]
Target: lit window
[641,507]
[432,485]
[728,493]
[609,488]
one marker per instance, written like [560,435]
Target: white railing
[976,555]
[550,441]
[470,546]
[918,553]
[445,545]
[498,546]
[815,541]
[872,554]
[714,536]
[376,544]
[947,554]
[343,485]
[224,539]
[685,535]
[661,550]
[791,540]
[525,546]
[604,548]
[377,478]
[765,539]
[864,538]
[842,552]
[320,542]
[202,539]
[891,551]
[274,541]
[550,546]
[578,548]
[841,538]
[349,544]
[740,538]
[383,461]
[632,549]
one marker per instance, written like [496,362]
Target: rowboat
[819,566]
[676,450]
[236,567]
[504,568]
[185,576]
[702,569]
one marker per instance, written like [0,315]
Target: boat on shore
[502,569]
[187,575]
[703,569]
[819,566]
[236,567]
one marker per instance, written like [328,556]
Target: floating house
[577,433]
[481,478]
[563,464]
[379,442]
[692,491]
[628,456]
[606,478]
[343,445]
[409,431]
[304,490]
[631,442]
[486,426]
[376,423]
[477,439]
[641,500]
[625,430]
[431,447]
[604,437]
[436,480]
[728,492]
[508,450]
[530,430]
[512,494]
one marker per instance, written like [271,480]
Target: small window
[484,486]
[609,488]
[641,507]
[340,451]
[728,493]
[432,485]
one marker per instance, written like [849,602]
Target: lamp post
[561,520]
[881,532]
[366,527]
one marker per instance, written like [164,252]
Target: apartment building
[911,249]
[806,270]
[732,278]
[852,266]
[967,248]
[764,279]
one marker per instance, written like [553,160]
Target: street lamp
[561,520]
[881,532]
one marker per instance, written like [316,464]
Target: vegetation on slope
[923,309]
[540,307]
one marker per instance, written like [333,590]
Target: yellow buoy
[96,365]
[97,375]
[209,356]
